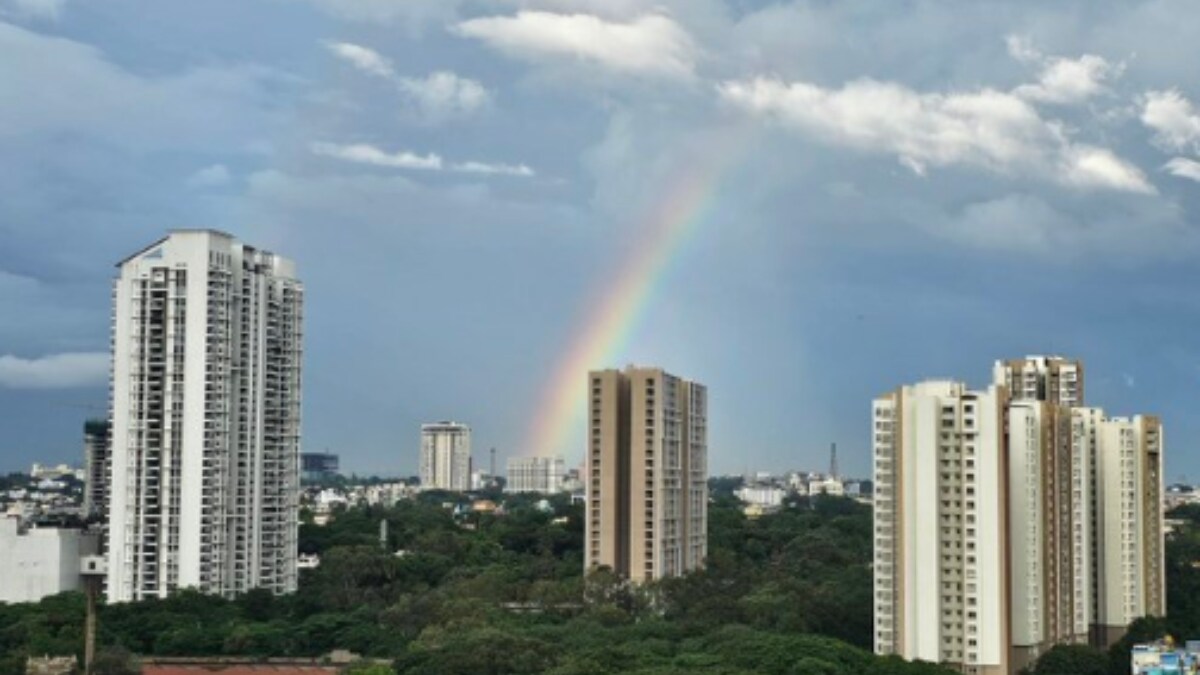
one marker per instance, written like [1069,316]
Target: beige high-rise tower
[647,472]
[1011,520]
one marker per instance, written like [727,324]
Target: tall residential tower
[446,456]
[1011,520]
[207,345]
[647,473]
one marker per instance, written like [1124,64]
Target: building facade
[647,472]
[535,474]
[941,588]
[41,561]
[1129,566]
[1057,502]
[446,456]
[205,440]
[1042,378]
[96,467]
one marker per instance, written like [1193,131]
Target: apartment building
[446,456]
[1042,378]
[941,587]
[535,474]
[1063,501]
[207,347]
[96,466]
[646,475]
[1129,558]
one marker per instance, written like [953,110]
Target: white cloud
[444,95]
[1021,48]
[1174,119]
[439,97]
[210,176]
[56,371]
[1070,80]
[651,44]
[369,154]
[363,153]
[33,9]
[990,129]
[365,59]
[1184,168]
[496,169]
[1062,80]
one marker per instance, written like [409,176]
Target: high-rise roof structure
[1042,378]
[646,473]
[207,348]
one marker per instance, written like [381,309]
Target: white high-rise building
[207,347]
[1129,550]
[941,587]
[1007,525]
[535,474]
[446,456]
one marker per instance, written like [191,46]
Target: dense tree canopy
[789,592]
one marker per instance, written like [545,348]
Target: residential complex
[205,440]
[535,474]
[446,456]
[646,473]
[1048,518]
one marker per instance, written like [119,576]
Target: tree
[115,661]
[1072,660]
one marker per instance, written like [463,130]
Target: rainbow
[604,335]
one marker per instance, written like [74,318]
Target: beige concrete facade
[1060,502]
[647,472]
[1053,379]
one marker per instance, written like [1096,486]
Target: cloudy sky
[894,191]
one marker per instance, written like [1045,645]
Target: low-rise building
[36,562]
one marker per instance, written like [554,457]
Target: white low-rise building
[827,486]
[37,562]
[761,495]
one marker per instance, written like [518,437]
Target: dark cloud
[842,249]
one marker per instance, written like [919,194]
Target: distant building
[207,336]
[535,474]
[37,562]
[446,456]
[45,472]
[647,473]
[96,468]
[318,466]
[1052,379]
[827,486]
[761,495]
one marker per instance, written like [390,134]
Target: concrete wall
[36,563]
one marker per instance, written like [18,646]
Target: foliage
[504,593]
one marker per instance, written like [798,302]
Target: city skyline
[483,214]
